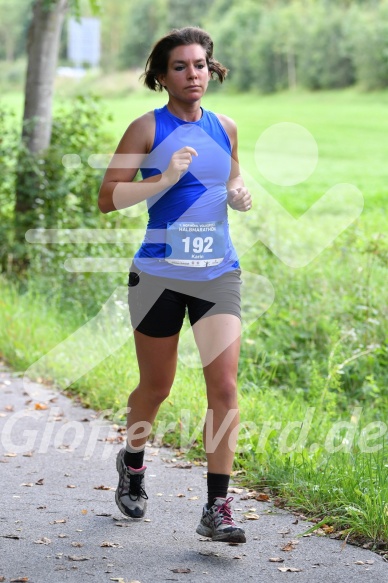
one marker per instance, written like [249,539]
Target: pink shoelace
[226,511]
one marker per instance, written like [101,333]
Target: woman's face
[187,74]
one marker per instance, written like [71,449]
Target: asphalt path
[59,522]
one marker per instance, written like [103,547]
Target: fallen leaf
[289,569]
[84,511]
[183,466]
[15,536]
[39,482]
[181,496]
[359,563]
[261,497]
[10,454]
[290,546]
[110,544]
[70,486]
[194,498]
[59,521]
[284,532]
[78,558]
[28,454]
[236,490]
[251,516]
[237,557]
[43,541]
[181,570]
[76,544]
[2,579]
[28,484]
[40,407]
[103,514]
[103,488]
[276,560]
[19,580]
[9,408]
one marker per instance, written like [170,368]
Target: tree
[43,46]
[42,54]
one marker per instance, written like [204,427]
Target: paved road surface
[59,522]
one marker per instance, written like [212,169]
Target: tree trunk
[43,48]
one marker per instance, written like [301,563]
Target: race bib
[195,244]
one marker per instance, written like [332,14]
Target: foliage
[62,197]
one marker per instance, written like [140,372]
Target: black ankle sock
[135,459]
[217,487]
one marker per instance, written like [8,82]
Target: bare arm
[118,189]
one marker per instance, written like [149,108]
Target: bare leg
[218,340]
[157,359]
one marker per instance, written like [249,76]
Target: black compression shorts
[158,305]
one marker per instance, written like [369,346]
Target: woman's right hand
[179,163]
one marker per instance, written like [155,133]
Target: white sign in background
[83,44]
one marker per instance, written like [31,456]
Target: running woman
[188,161]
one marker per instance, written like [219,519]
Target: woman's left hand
[239,199]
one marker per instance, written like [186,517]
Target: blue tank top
[187,235]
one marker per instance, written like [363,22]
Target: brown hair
[157,62]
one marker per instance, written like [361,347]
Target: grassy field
[313,374]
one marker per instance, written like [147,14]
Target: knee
[157,391]
[225,392]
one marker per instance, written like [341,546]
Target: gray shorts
[158,305]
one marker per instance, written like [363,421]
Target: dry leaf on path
[107,543]
[182,466]
[78,558]
[251,516]
[43,541]
[19,580]
[59,521]
[39,482]
[276,560]
[290,546]
[2,579]
[289,569]
[103,488]
[181,570]
[261,497]
[40,407]
[15,536]
[284,532]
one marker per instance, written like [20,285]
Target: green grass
[321,348]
